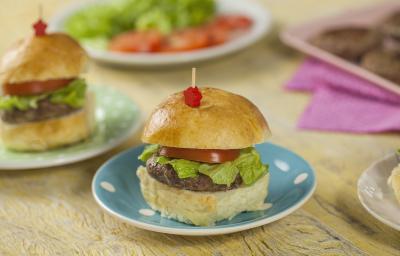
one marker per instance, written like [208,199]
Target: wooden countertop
[52,211]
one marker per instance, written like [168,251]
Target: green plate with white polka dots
[117,118]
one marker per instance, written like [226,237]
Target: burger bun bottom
[51,133]
[201,208]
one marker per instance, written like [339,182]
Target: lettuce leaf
[220,173]
[73,95]
[183,168]
[248,165]
[107,19]
[20,103]
[155,19]
[148,151]
[92,21]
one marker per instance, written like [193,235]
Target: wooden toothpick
[193,77]
[40,11]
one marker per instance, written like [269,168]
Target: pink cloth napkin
[344,102]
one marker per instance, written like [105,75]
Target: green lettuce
[184,168]
[20,103]
[92,21]
[248,165]
[148,151]
[103,21]
[220,173]
[73,95]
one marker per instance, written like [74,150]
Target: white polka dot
[146,212]
[283,166]
[300,178]
[107,186]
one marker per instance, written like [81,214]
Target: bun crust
[201,208]
[394,182]
[223,121]
[51,133]
[40,58]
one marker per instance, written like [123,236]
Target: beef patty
[383,63]
[164,173]
[391,26]
[347,42]
[45,110]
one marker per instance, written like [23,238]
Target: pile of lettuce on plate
[96,24]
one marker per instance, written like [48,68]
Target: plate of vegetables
[163,32]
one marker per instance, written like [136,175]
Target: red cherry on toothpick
[40,28]
[192,96]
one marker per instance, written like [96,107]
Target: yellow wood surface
[52,212]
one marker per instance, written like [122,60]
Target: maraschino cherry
[40,26]
[192,94]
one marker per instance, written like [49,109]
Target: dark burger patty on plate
[348,42]
[383,63]
[164,173]
[391,26]
[45,110]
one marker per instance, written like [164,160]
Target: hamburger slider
[44,103]
[201,164]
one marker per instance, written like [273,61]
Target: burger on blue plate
[201,165]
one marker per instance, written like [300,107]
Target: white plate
[117,118]
[376,195]
[261,25]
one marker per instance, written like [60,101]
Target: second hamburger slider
[44,103]
[201,164]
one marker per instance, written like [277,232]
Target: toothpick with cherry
[40,26]
[192,94]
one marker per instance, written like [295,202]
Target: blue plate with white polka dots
[116,189]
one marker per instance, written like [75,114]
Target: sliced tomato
[142,41]
[186,40]
[232,22]
[201,155]
[35,87]
[217,35]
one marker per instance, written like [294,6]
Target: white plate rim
[200,232]
[12,165]
[365,205]
[262,24]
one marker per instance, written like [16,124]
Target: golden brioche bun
[39,58]
[202,208]
[223,121]
[51,133]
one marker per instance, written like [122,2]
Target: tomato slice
[35,87]
[233,22]
[217,34]
[201,155]
[141,41]
[186,40]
